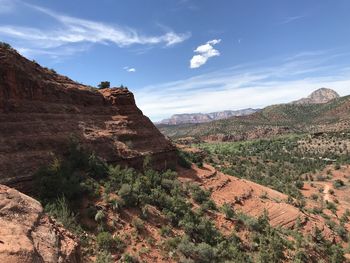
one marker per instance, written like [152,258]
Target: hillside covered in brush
[272,120]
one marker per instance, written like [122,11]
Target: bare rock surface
[320,96]
[27,235]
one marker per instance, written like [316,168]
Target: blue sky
[181,56]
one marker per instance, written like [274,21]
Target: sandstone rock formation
[40,110]
[319,96]
[27,235]
[253,199]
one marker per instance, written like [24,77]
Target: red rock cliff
[40,110]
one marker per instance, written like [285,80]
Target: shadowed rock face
[28,235]
[40,110]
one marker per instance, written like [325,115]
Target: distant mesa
[319,96]
[206,117]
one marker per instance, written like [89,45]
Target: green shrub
[116,204]
[65,178]
[317,210]
[127,258]
[57,180]
[331,206]
[91,187]
[338,183]
[341,231]
[345,216]
[97,168]
[337,166]
[138,224]
[205,253]
[104,257]
[209,205]
[105,241]
[170,244]
[314,197]
[91,212]
[336,254]
[199,195]
[126,193]
[119,244]
[59,209]
[165,231]
[186,247]
[299,184]
[100,216]
[252,224]
[228,211]
[183,160]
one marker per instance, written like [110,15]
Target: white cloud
[72,31]
[204,52]
[128,69]
[255,85]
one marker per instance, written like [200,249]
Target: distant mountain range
[323,110]
[319,96]
[205,117]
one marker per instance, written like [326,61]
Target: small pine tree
[5,45]
[104,85]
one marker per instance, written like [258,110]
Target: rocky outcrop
[319,96]
[205,117]
[40,110]
[28,235]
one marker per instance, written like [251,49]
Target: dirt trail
[326,193]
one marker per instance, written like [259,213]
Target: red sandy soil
[253,199]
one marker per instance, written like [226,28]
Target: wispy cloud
[204,52]
[291,19]
[188,4]
[252,85]
[57,54]
[131,70]
[72,31]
